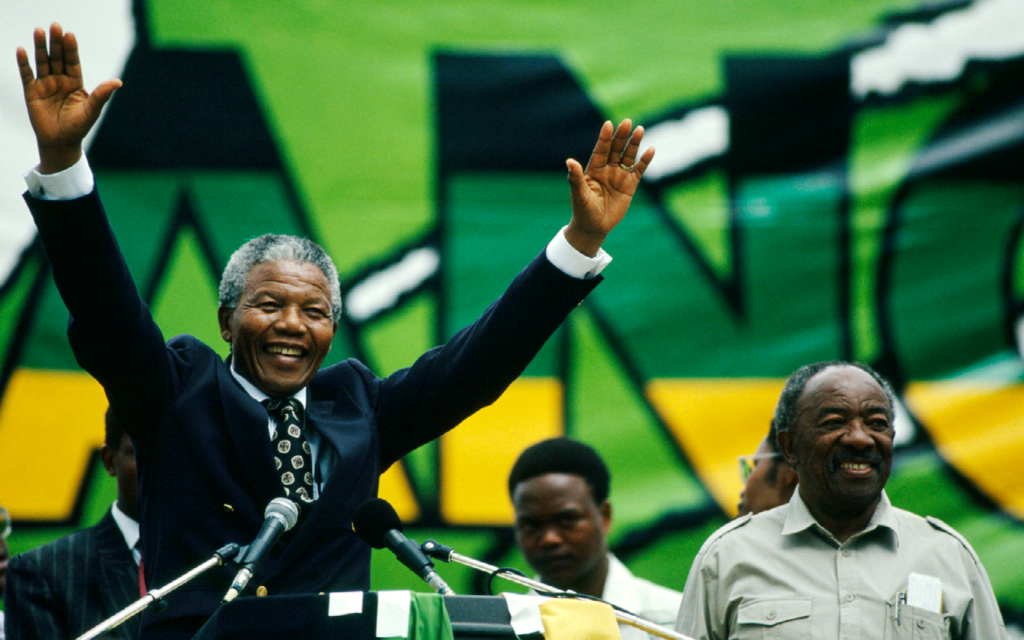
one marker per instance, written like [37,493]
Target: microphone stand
[222,555]
[447,554]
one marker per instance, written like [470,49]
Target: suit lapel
[247,423]
[118,573]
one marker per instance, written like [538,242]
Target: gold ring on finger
[627,167]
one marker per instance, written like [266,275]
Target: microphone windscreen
[373,519]
[284,508]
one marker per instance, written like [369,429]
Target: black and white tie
[292,457]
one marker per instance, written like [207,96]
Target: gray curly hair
[268,248]
[785,410]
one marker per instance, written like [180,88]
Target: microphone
[376,522]
[280,516]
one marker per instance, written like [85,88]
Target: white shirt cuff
[573,263]
[74,182]
[77,181]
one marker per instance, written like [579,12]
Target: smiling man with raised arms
[217,440]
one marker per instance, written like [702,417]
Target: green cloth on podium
[428,618]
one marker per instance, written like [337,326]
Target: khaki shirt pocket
[788,618]
[914,624]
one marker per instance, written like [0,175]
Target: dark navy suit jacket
[204,458]
[65,588]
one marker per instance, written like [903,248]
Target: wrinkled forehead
[841,385]
[287,272]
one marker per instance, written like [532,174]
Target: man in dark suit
[210,454]
[65,588]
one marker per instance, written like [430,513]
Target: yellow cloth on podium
[568,619]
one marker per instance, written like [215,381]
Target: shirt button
[849,597]
[261,591]
[846,552]
[770,615]
[920,623]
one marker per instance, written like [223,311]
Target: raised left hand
[602,192]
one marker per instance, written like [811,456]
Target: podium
[306,616]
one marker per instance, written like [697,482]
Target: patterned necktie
[292,457]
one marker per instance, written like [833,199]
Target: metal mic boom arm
[447,554]
[222,555]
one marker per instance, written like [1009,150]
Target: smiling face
[282,328]
[841,443]
[561,531]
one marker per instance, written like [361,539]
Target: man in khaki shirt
[839,561]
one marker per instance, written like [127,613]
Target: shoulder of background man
[939,525]
[646,599]
[44,560]
[654,594]
[762,524]
[931,530]
[659,603]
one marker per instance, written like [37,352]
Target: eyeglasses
[5,523]
[747,463]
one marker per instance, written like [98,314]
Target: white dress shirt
[129,529]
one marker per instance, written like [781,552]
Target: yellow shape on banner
[977,427]
[50,421]
[715,421]
[395,488]
[477,456]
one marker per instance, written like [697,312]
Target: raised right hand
[61,111]
[601,193]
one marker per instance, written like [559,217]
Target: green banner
[837,180]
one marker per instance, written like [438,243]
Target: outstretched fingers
[632,148]
[575,176]
[641,165]
[24,68]
[72,63]
[56,49]
[619,141]
[102,93]
[42,56]
[614,157]
[599,157]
